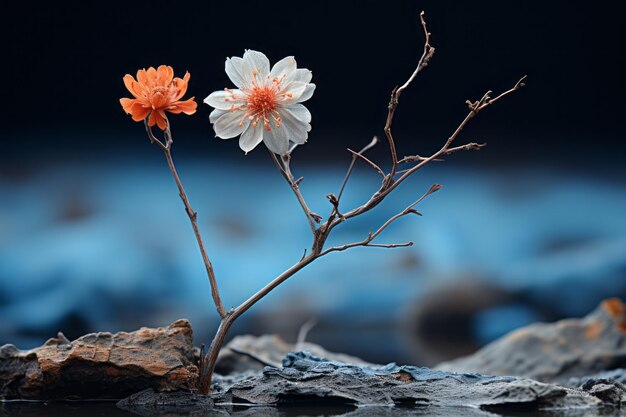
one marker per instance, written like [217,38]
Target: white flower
[266,104]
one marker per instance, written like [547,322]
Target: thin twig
[311,217]
[426,56]
[368,161]
[191,213]
[355,155]
[366,244]
[386,189]
[153,139]
[473,146]
[395,95]
[371,236]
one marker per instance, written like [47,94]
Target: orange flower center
[159,96]
[260,102]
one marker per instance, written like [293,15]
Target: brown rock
[101,365]
[558,351]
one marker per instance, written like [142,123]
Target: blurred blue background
[93,236]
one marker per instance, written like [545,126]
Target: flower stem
[219,305]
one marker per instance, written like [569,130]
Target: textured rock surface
[305,377]
[616,375]
[247,352]
[101,365]
[558,351]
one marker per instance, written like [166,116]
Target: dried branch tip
[434,188]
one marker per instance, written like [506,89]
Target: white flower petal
[276,140]
[296,119]
[298,112]
[285,67]
[251,137]
[292,92]
[301,74]
[234,70]
[307,94]
[230,124]
[216,114]
[224,100]
[292,146]
[257,61]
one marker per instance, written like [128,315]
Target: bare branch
[335,202]
[294,184]
[423,62]
[366,244]
[386,189]
[427,54]
[355,155]
[368,161]
[414,158]
[473,146]
[371,236]
[153,139]
[389,245]
[191,213]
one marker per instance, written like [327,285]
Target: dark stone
[609,391]
[305,377]
[616,375]
[555,352]
[101,365]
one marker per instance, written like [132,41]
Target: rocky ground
[575,366]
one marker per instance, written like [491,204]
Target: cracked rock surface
[101,365]
[305,377]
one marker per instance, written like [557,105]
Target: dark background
[66,61]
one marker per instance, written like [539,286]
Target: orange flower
[156,91]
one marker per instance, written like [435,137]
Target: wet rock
[616,375]
[150,403]
[247,352]
[558,351]
[183,404]
[612,393]
[305,377]
[101,365]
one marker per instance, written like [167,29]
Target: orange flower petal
[142,77]
[132,85]
[151,74]
[181,87]
[127,103]
[165,74]
[152,119]
[139,111]
[161,120]
[188,107]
